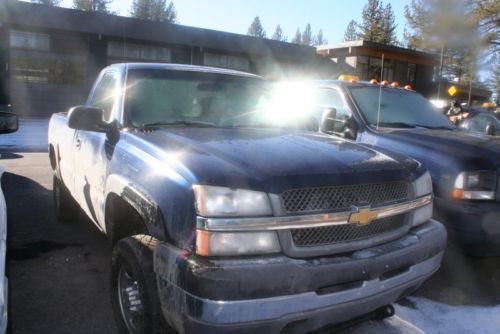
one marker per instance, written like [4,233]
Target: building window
[49,71]
[412,70]
[29,40]
[226,61]
[139,52]
[388,70]
[362,67]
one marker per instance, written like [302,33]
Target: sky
[236,15]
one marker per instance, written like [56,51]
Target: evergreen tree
[319,39]
[351,32]
[297,39]
[388,26]
[92,5]
[256,29]
[47,2]
[278,35]
[371,29]
[307,38]
[156,10]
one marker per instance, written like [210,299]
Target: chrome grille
[318,236]
[342,197]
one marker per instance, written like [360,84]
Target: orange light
[457,193]
[385,83]
[395,84]
[408,87]
[373,81]
[348,77]
[202,238]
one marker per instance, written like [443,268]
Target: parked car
[8,124]
[222,221]
[481,122]
[464,169]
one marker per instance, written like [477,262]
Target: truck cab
[222,220]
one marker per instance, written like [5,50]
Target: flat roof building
[51,55]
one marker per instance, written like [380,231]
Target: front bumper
[474,225]
[269,294]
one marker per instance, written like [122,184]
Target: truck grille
[318,236]
[342,197]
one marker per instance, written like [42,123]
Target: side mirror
[489,130]
[9,122]
[345,128]
[87,119]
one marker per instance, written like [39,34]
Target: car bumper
[360,283]
[475,226]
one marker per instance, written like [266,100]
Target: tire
[134,293]
[65,206]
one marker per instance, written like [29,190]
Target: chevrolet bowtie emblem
[363,216]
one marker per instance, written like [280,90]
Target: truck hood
[269,159]
[448,150]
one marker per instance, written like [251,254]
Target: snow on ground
[31,136]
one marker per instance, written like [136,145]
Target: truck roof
[184,67]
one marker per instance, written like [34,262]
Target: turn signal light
[373,81]
[457,193]
[408,87]
[395,84]
[385,83]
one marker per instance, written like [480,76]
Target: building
[419,69]
[364,59]
[50,56]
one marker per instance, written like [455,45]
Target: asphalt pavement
[58,273]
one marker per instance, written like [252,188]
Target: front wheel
[134,293]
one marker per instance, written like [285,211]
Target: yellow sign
[452,90]
[363,216]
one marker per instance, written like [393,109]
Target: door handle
[78,143]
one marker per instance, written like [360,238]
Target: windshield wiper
[395,125]
[181,124]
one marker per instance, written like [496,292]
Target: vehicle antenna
[380,90]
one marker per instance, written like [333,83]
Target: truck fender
[140,200]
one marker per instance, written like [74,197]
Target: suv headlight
[226,202]
[421,187]
[478,185]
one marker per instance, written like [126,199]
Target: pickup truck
[223,222]
[465,168]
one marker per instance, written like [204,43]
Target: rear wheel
[65,206]
[134,293]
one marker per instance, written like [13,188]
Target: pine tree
[297,39]
[256,29]
[307,38]
[156,10]
[351,32]
[388,26]
[370,27]
[47,2]
[278,34]
[92,5]
[319,39]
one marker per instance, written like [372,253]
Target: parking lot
[58,273]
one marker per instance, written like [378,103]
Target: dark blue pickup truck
[465,168]
[221,221]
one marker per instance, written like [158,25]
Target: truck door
[92,151]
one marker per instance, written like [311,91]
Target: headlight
[236,243]
[226,202]
[480,185]
[422,186]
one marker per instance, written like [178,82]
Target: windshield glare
[397,106]
[159,97]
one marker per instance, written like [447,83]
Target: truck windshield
[398,108]
[158,97]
